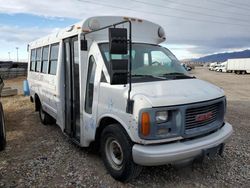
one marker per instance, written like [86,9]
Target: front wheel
[2,130]
[116,150]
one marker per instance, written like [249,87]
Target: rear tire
[45,117]
[2,130]
[116,150]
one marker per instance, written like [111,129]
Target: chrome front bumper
[153,155]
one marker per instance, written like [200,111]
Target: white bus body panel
[49,89]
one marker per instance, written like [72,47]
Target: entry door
[72,91]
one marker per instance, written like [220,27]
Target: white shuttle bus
[107,80]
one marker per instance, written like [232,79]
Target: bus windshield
[149,61]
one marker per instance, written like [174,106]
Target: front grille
[201,116]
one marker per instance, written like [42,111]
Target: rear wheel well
[37,102]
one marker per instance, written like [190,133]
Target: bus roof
[142,31]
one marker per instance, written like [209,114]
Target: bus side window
[33,60]
[90,85]
[38,59]
[53,58]
[45,58]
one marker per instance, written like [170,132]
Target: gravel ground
[41,156]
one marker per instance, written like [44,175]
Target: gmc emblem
[203,117]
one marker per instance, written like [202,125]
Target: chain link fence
[6,73]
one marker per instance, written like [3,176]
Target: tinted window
[33,60]
[45,57]
[38,59]
[90,85]
[53,58]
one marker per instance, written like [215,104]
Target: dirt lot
[41,156]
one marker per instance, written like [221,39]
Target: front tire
[2,130]
[116,150]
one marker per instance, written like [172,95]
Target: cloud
[19,35]
[50,9]
[207,26]
[14,36]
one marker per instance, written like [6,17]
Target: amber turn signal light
[145,124]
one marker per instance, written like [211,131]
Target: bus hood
[175,92]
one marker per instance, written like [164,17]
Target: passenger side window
[33,60]
[45,59]
[90,85]
[159,58]
[53,58]
[38,59]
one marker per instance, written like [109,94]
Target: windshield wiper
[178,75]
[147,76]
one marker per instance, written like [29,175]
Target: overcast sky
[194,28]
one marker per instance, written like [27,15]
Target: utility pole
[17,54]
[9,55]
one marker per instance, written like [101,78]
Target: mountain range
[221,57]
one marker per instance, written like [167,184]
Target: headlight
[161,116]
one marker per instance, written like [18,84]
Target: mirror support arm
[130,103]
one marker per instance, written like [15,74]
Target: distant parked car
[2,122]
[188,68]
[213,66]
[222,67]
[217,69]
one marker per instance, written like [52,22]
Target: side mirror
[118,42]
[118,72]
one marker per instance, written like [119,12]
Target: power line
[204,8]
[241,4]
[229,4]
[164,15]
[189,11]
